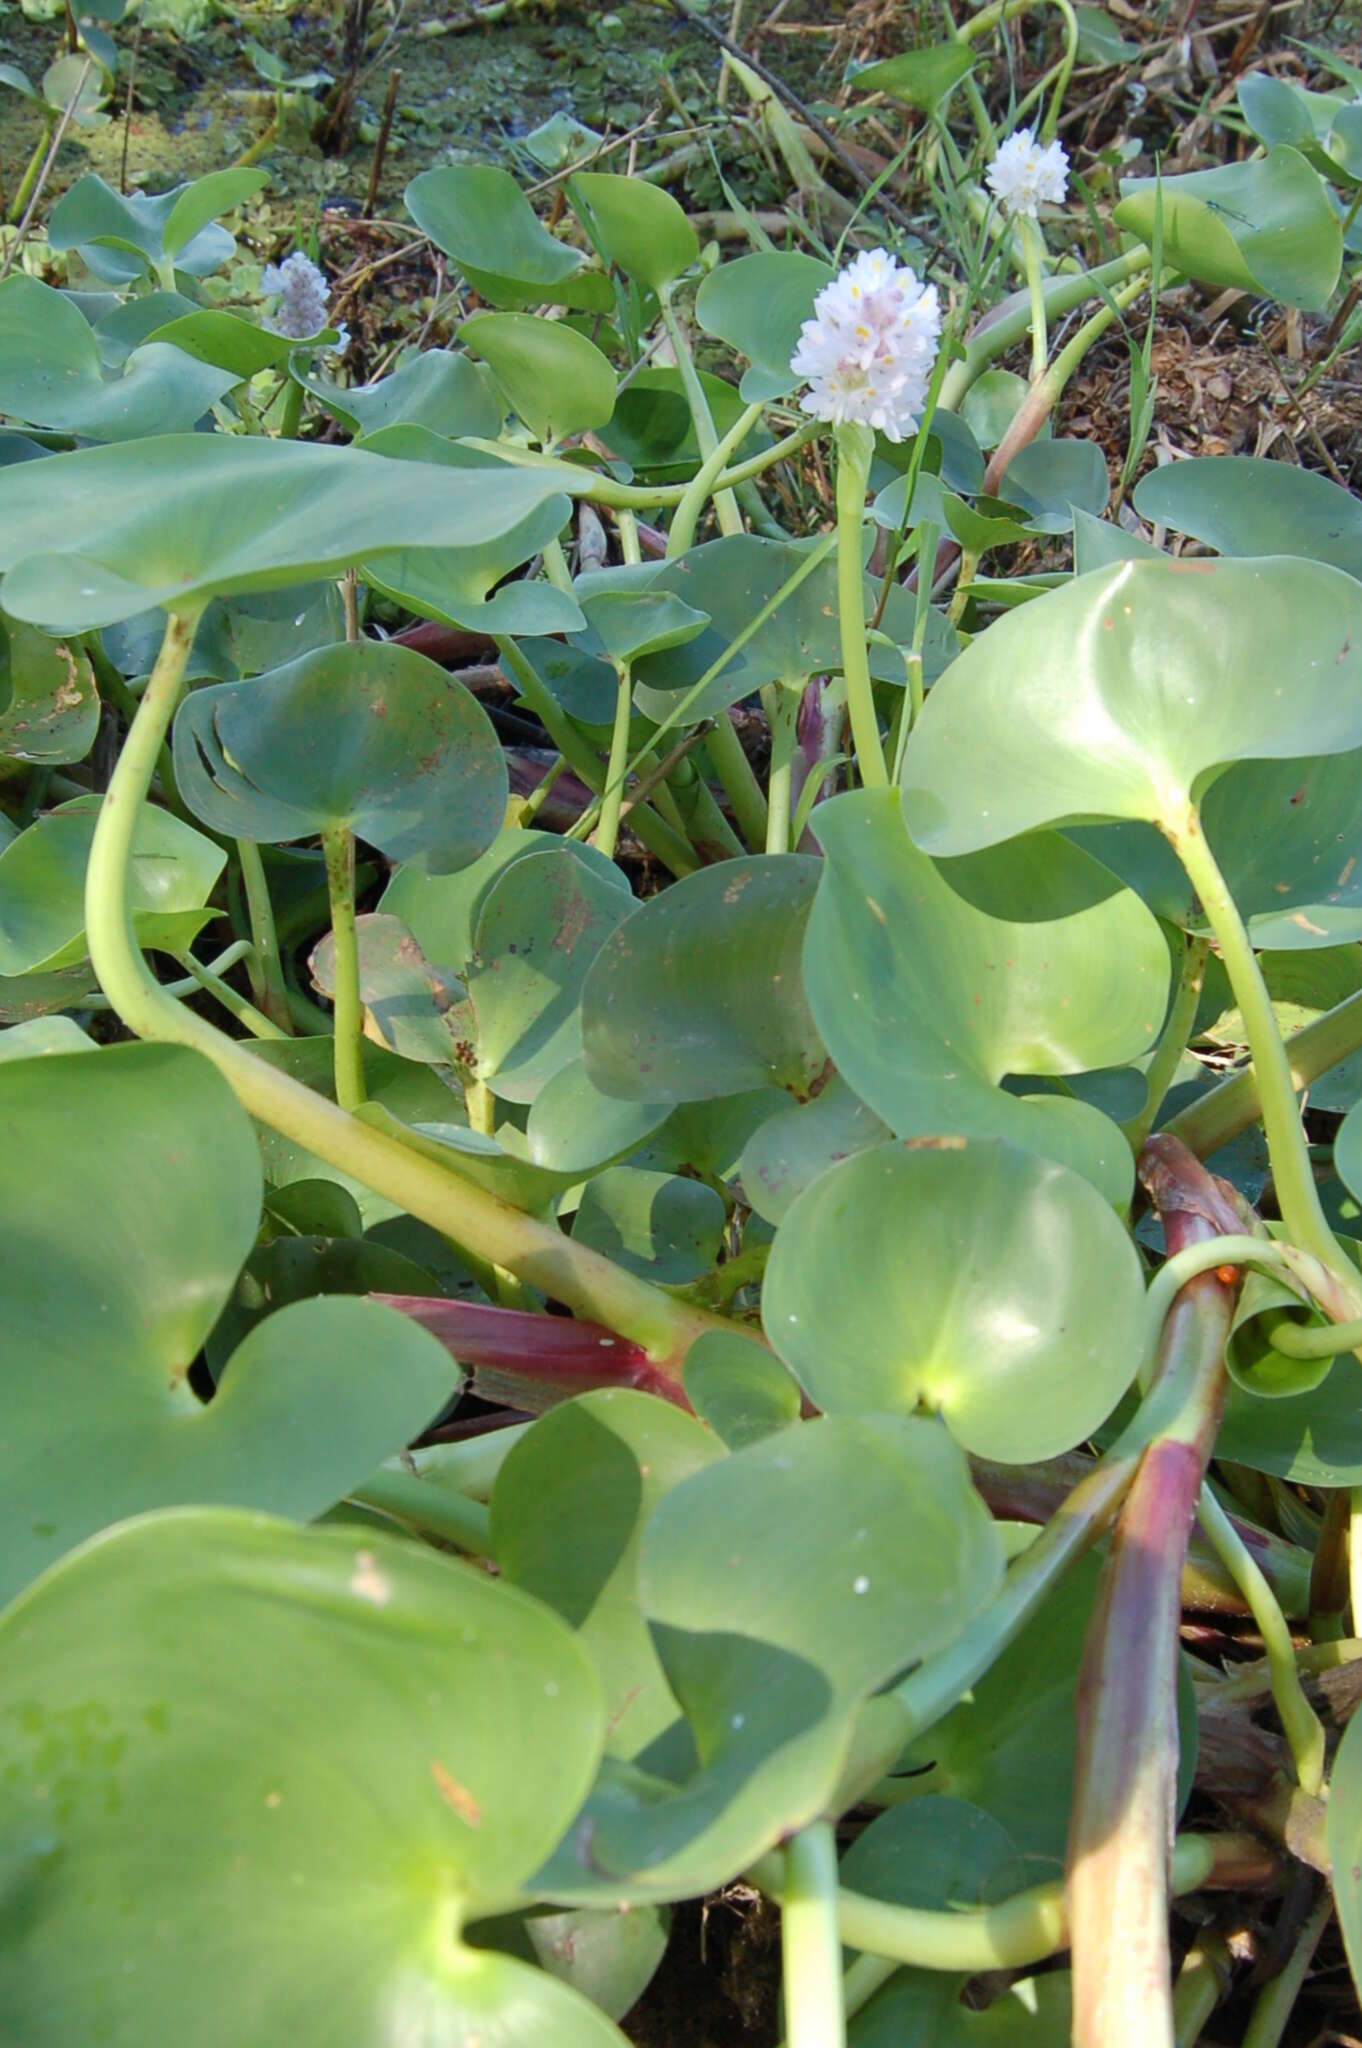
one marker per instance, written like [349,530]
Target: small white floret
[868,351]
[1026,174]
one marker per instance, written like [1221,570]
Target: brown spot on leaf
[456,1797]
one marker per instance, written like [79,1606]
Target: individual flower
[1026,173]
[303,293]
[868,351]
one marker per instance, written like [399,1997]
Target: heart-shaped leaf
[49,707]
[107,1302]
[122,236]
[457,585]
[442,911]
[359,1707]
[789,1151]
[1288,839]
[482,220]
[697,994]
[51,374]
[660,1225]
[104,533]
[993,1288]
[437,389]
[42,886]
[1249,505]
[930,982]
[634,225]
[598,1464]
[542,923]
[758,304]
[1172,671]
[411,764]
[1265,225]
[210,335]
[783,1586]
[556,380]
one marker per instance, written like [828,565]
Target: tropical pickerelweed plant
[866,1289]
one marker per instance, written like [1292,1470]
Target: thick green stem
[1292,1173]
[1173,1039]
[1062,294]
[471,1465]
[736,774]
[1303,1729]
[1033,249]
[267,977]
[536,1252]
[855,447]
[31,170]
[725,504]
[1277,2000]
[1202,1982]
[682,531]
[338,845]
[781,703]
[434,1509]
[1023,1929]
[811,1948]
[235,1005]
[608,831]
[1207,1124]
[291,418]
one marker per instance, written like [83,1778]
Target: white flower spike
[302,292]
[868,351]
[1026,174]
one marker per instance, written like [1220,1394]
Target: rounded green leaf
[420,1011]
[459,585]
[979,1283]
[792,1148]
[352,1710]
[442,911]
[739,1388]
[598,1466]
[573,1128]
[1250,505]
[174,870]
[783,1586]
[212,336]
[439,390]
[51,374]
[102,534]
[660,1225]
[482,220]
[697,995]
[411,762]
[1172,670]
[930,982]
[542,923]
[634,225]
[556,380]
[1287,836]
[121,236]
[1265,225]
[758,304]
[49,707]
[107,1301]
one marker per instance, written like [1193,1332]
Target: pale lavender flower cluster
[303,293]
[868,351]
[1026,173]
